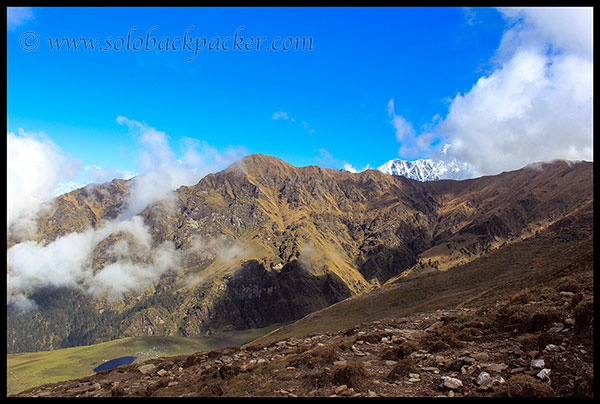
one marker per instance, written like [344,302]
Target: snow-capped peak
[427,169]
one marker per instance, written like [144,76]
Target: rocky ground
[539,343]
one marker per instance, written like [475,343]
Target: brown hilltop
[299,239]
[77,210]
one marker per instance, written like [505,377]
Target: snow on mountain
[427,169]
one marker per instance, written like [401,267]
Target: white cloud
[306,126]
[285,116]
[67,261]
[348,167]
[307,256]
[66,187]
[404,129]
[101,175]
[280,115]
[565,28]
[410,142]
[16,16]
[537,105]
[124,276]
[469,14]
[327,160]
[162,172]
[35,168]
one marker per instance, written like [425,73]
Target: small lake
[113,363]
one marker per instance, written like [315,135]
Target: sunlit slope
[565,250]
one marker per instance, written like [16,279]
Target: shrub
[206,390]
[327,355]
[578,297]
[441,340]
[371,338]
[546,338]
[352,375]
[320,356]
[227,372]
[511,316]
[400,370]
[318,380]
[568,285]
[544,317]
[399,352]
[345,345]
[351,331]
[468,333]
[584,387]
[521,297]
[528,341]
[455,365]
[584,313]
[473,324]
[523,386]
[213,354]
[313,358]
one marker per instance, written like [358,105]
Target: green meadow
[26,370]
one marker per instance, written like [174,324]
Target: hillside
[517,322]
[264,242]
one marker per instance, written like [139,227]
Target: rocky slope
[265,242]
[382,359]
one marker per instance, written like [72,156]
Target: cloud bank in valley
[67,262]
[36,167]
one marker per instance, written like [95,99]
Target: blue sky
[328,106]
[361,59]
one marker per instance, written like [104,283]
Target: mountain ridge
[263,241]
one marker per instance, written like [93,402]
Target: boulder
[544,374]
[537,364]
[483,378]
[451,383]
[147,369]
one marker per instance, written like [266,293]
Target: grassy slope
[31,369]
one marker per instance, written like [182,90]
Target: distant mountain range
[427,169]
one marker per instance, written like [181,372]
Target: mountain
[264,242]
[495,327]
[427,169]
